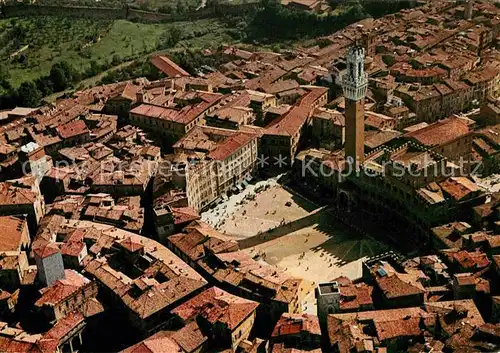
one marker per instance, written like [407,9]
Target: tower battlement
[355,80]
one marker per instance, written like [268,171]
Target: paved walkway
[283,229]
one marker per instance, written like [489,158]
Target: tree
[181,7]
[175,35]
[4,74]
[167,8]
[270,3]
[93,69]
[29,95]
[61,75]
[45,85]
[389,60]
[116,60]
[213,4]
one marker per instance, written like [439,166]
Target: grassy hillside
[149,5]
[42,41]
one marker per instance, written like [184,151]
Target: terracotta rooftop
[289,123]
[297,324]
[160,342]
[336,117]
[6,149]
[183,116]
[131,245]
[62,289]
[183,215]
[45,249]
[378,121]
[459,187]
[198,240]
[72,129]
[354,297]
[404,328]
[185,340]
[281,86]
[472,315]
[441,132]
[465,279]
[11,231]
[64,326]
[374,139]
[312,96]
[467,260]
[217,306]
[231,145]
[168,67]
[189,338]
[242,270]
[12,195]
[393,287]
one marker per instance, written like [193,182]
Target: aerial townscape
[337,195]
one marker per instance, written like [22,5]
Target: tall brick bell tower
[354,84]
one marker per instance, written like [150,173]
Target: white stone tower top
[355,80]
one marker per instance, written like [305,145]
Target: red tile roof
[441,132]
[158,343]
[355,296]
[184,116]
[458,188]
[231,145]
[294,324]
[289,123]
[184,214]
[44,249]
[11,231]
[64,326]
[398,328]
[187,339]
[62,289]
[197,243]
[168,67]
[311,97]
[11,195]
[72,248]
[129,91]
[131,245]
[72,129]
[394,287]
[468,260]
[190,337]
[216,305]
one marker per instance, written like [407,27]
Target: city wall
[21,10]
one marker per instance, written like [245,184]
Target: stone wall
[20,10]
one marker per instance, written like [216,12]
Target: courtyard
[284,229]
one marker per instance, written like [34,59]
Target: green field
[81,41]
[166,6]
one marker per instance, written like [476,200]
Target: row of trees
[178,7]
[30,93]
[275,23]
